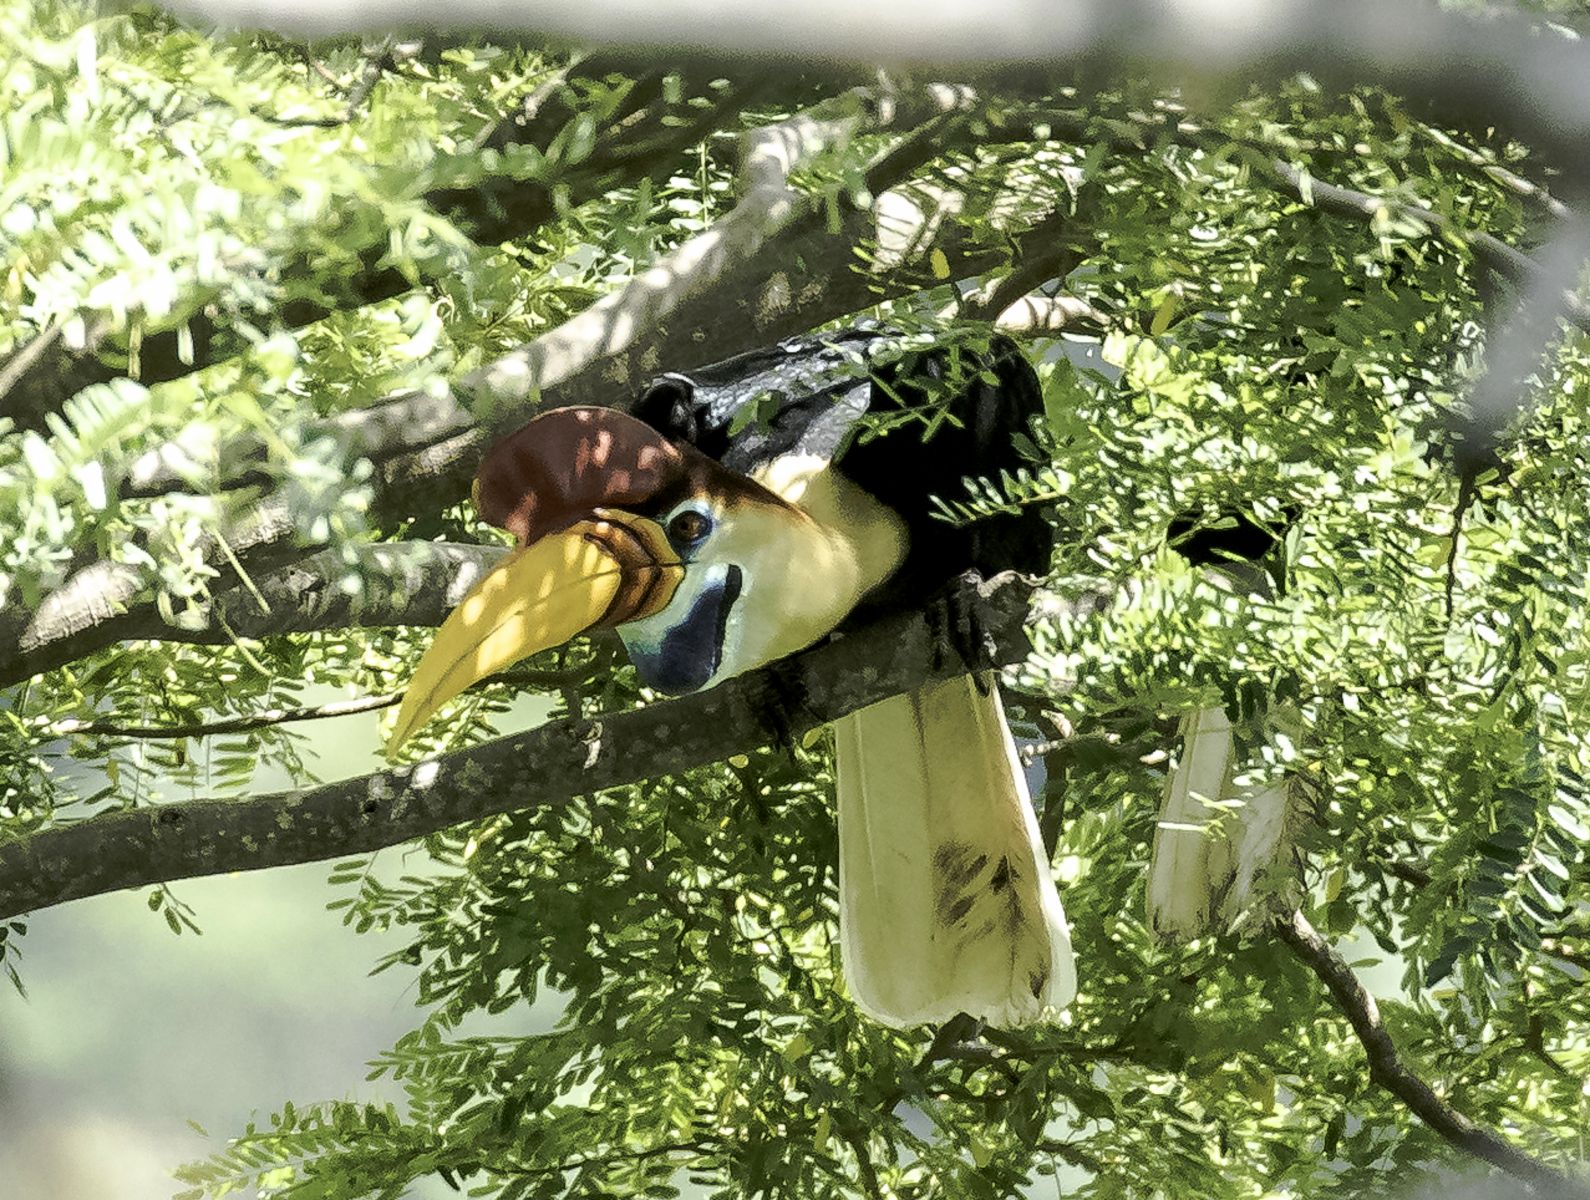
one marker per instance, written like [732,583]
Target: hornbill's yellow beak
[599,572]
[583,561]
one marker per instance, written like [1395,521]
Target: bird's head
[703,571]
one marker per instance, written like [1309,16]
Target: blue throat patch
[691,651]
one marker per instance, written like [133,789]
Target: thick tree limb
[402,583]
[1387,1068]
[804,276]
[545,766]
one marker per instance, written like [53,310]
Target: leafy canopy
[221,242]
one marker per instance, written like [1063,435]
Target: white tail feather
[947,903]
[1216,841]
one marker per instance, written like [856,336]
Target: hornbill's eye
[688,527]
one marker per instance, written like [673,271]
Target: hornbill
[1221,844]
[733,517]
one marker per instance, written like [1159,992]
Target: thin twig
[639,1154]
[245,724]
[869,1175]
[1507,261]
[1534,1040]
[22,361]
[1526,189]
[320,68]
[1387,1068]
[1465,500]
[378,61]
[1333,199]
[1072,1154]
[519,677]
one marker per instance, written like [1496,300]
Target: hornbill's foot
[779,703]
[955,623]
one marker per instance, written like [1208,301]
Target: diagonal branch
[543,767]
[641,144]
[589,351]
[1512,264]
[1387,1068]
[768,203]
[428,446]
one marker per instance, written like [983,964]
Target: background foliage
[223,241]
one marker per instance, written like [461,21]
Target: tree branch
[1332,199]
[428,446]
[26,358]
[543,767]
[1052,249]
[496,209]
[379,58]
[1387,1068]
[611,346]
[614,322]
[1526,189]
[1513,265]
[387,583]
[243,724]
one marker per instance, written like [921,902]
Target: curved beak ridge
[603,571]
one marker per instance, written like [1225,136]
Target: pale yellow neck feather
[868,534]
[845,544]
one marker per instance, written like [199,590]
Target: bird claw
[778,702]
[955,623]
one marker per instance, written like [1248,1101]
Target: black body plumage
[808,396]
